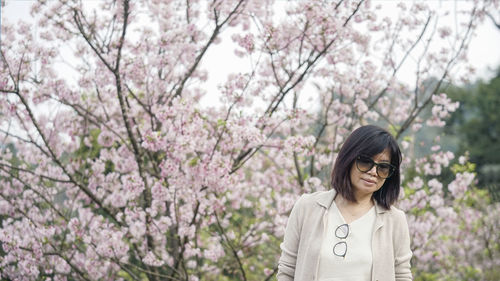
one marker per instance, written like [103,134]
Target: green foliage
[467,167]
[476,124]
[492,274]
[91,152]
[393,129]
[425,276]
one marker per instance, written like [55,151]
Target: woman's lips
[369,181]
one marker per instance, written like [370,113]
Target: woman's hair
[369,141]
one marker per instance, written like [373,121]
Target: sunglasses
[341,232]
[365,164]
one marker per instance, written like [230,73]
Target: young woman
[352,232]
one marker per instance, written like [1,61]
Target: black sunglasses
[365,164]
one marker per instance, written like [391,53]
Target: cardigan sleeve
[290,245]
[402,251]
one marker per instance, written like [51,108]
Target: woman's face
[366,183]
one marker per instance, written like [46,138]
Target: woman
[351,232]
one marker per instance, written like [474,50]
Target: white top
[357,263]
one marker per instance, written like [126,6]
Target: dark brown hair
[367,140]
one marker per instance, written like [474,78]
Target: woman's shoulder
[319,197]
[322,195]
[397,214]
[396,210]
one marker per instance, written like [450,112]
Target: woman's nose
[373,171]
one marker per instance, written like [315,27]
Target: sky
[483,52]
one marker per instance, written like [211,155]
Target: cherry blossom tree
[119,170]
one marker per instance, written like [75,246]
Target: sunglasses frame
[367,159]
[341,242]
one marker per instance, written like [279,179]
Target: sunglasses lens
[364,164]
[384,170]
[342,231]
[340,249]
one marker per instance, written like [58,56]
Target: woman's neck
[361,201]
[353,210]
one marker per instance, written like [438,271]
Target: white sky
[483,52]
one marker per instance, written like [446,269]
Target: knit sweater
[356,264]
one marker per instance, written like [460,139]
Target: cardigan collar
[325,200]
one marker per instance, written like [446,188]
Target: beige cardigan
[304,233]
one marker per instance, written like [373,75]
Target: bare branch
[233,250]
[383,92]
[215,33]
[417,108]
[497,24]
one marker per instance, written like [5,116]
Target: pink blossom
[152,260]
[435,185]
[214,252]
[133,185]
[105,139]
[444,32]
[460,184]
[462,160]
[417,183]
